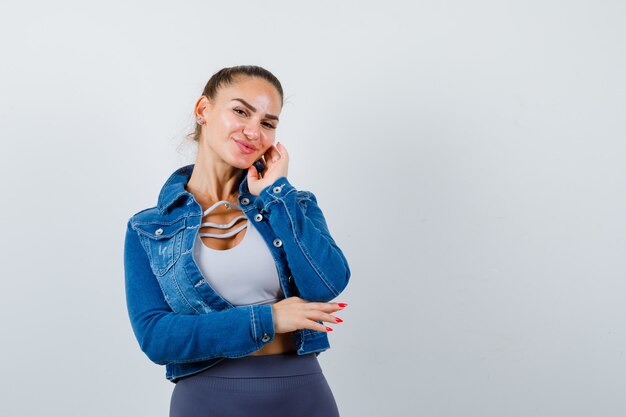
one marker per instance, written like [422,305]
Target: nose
[252,131]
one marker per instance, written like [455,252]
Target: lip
[244,147]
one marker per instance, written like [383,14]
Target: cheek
[268,137]
[230,122]
[267,143]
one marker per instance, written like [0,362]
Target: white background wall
[469,158]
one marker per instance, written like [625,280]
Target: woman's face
[241,125]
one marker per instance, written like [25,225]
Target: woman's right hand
[294,313]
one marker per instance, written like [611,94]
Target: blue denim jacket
[179,320]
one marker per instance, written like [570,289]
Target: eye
[269,125]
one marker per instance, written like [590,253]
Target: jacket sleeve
[319,268]
[165,336]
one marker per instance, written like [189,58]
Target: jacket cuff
[262,323]
[277,190]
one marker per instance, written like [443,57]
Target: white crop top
[245,274]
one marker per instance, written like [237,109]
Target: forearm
[165,336]
[170,337]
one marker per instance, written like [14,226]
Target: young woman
[229,277]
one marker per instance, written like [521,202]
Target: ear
[202,108]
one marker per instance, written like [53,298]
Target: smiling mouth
[245,145]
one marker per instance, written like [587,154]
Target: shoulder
[304,195]
[151,223]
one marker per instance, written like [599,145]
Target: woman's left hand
[276,165]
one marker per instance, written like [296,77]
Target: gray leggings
[262,386]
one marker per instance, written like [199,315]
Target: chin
[242,163]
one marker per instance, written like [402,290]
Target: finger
[253,174]
[273,154]
[325,307]
[326,317]
[281,148]
[313,325]
[267,156]
[267,153]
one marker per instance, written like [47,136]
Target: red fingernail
[329,329]
[342,305]
[338,320]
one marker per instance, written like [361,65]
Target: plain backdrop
[468,156]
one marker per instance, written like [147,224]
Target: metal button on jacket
[167,259]
[258,217]
[158,232]
[277,189]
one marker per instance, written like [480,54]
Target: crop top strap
[223,225]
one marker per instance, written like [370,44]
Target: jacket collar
[174,187]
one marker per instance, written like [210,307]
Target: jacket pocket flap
[160,230]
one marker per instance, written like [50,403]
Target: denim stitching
[162,222]
[307,255]
[205,358]
[199,297]
[175,372]
[267,206]
[172,201]
[254,326]
[182,295]
[281,196]
[172,177]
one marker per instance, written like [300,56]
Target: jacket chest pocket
[162,241]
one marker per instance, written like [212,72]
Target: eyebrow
[251,107]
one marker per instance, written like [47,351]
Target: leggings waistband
[263,366]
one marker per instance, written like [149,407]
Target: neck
[213,180]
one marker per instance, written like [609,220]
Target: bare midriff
[282,343]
